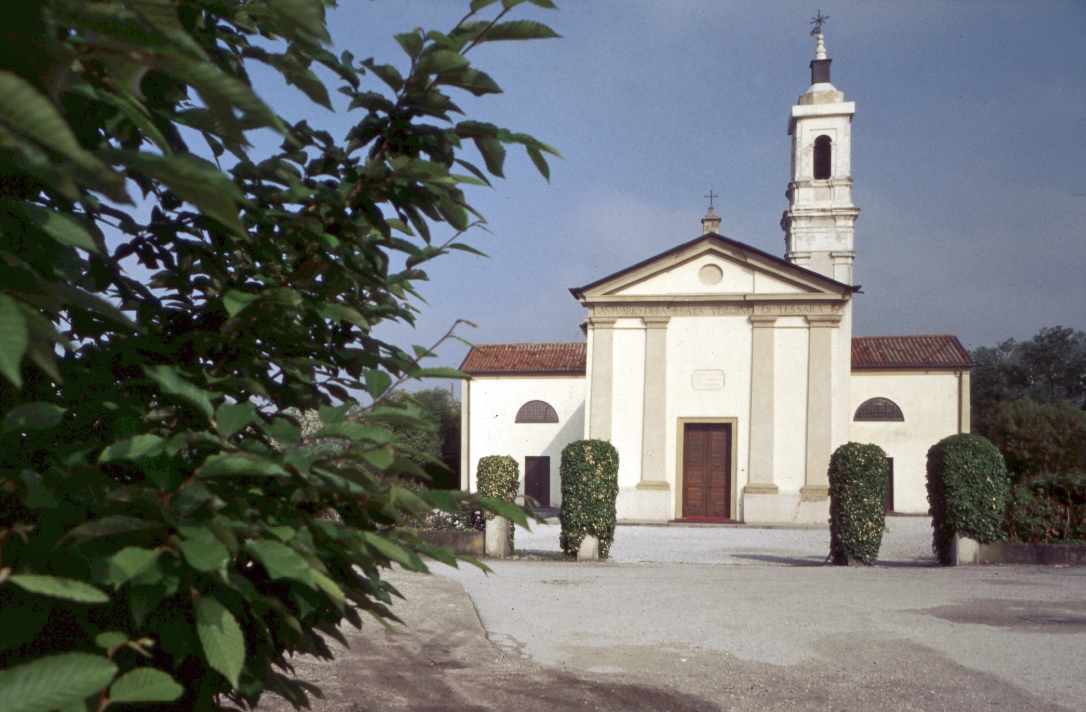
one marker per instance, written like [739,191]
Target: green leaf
[281,561]
[145,685]
[508,510]
[129,563]
[238,463]
[395,552]
[411,42]
[540,162]
[194,180]
[234,301]
[381,459]
[170,381]
[519,30]
[65,229]
[493,153]
[232,417]
[56,587]
[106,526]
[330,587]
[25,111]
[441,60]
[202,549]
[110,640]
[221,638]
[33,416]
[54,682]
[438,372]
[356,431]
[162,15]
[134,448]
[377,382]
[307,14]
[283,431]
[223,94]
[477,5]
[14,338]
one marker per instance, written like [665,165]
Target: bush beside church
[858,477]
[589,490]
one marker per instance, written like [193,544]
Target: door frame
[680,443]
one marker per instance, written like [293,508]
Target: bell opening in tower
[823,167]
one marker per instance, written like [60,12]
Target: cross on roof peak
[710,197]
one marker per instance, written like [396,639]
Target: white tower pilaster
[819,222]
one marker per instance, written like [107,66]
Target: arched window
[536,412]
[823,161]
[879,409]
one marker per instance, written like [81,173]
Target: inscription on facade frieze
[718,310]
[707,380]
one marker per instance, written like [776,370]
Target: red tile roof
[932,351]
[526,358]
[938,351]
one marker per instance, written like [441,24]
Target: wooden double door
[707,471]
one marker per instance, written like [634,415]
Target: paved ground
[688,618]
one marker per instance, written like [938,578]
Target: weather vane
[817,21]
[710,197]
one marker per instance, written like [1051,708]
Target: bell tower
[818,224]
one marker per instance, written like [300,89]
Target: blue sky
[969,154]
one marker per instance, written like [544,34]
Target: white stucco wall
[708,343]
[930,404]
[490,412]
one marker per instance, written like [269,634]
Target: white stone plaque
[707,380]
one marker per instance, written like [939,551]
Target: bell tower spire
[818,224]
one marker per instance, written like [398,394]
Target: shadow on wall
[572,429]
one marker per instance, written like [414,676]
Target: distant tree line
[1029,398]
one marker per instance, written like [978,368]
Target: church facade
[726,376]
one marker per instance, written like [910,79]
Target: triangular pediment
[712,266]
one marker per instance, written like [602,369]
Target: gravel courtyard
[906,541]
[719,618]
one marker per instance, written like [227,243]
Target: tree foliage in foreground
[165,526]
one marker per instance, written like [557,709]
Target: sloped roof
[781,264]
[924,351]
[526,358]
[927,351]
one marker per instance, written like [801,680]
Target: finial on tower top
[820,67]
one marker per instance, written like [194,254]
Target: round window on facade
[879,409]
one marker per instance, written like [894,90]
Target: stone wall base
[967,552]
[644,505]
[470,543]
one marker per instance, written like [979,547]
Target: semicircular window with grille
[879,409]
[537,411]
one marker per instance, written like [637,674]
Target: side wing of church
[726,376]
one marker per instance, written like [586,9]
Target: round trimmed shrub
[589,472]
[858,474]
[498,476]
[967,490]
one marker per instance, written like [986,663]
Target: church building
[726,376]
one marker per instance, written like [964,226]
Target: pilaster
[603,366]
[819,405]
[762,399]
[654,412]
